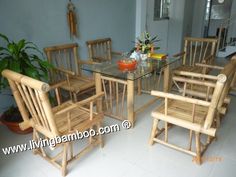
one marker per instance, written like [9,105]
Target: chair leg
[198,148]
[217,120]
[75,97]
[100,136]
[190,140]
[154,131]
[34,138]
[64,159]
[139,86]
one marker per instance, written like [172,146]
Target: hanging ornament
[71,18]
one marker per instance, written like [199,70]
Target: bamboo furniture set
[201,101]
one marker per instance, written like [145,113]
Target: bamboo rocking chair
[63,120]
[197,50]
[193,114]
[67,67]
[100,50]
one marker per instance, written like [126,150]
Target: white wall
[188,17]
[232,29]
[179,24]
[159,27]
[170,31]
[140,21]
[45,23]
[198,18]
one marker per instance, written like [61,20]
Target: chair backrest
[197,50]
[33,103]
[229,70]
[99,50]
[188,87]
[221,81]
[64,57]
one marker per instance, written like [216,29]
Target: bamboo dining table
[119,86]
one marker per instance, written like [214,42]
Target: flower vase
[143,56]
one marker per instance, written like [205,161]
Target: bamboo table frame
[110,83]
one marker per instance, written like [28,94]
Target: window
[161,9]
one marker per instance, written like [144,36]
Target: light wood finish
[50,122]
[130,101]
[201,86]
[115,91]
[190,113]
[67,67]
[197,50]
[100,50]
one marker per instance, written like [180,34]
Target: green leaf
[46,64]
[31,45]
[15,66]
[3,64]
[4,37]
[21,44]
[11,48]
[31,72]
[2,48]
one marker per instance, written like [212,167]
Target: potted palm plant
[25,58]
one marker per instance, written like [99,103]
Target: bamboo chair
[190,113]
[67,67]
[197,50]
[205,93]
[63,120]
[100,50]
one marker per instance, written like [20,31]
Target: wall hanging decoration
[72,20]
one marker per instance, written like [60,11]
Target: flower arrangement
[146,43]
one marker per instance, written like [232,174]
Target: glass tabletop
[143,68]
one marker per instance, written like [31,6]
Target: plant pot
[14,126]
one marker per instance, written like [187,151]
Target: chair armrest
[57,85]
[180,98]
[90,99]
[209,66]
[116,53]
[55,88]
[81,103]
[65,71]
[193,74]
[179,54]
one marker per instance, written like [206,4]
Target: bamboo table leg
[130,101]
[98,85]
[139,86]
[166,84]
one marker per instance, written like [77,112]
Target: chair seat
[79,118]
[196,69]
[182,110]
[79,84]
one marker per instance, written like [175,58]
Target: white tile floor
[127,154]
